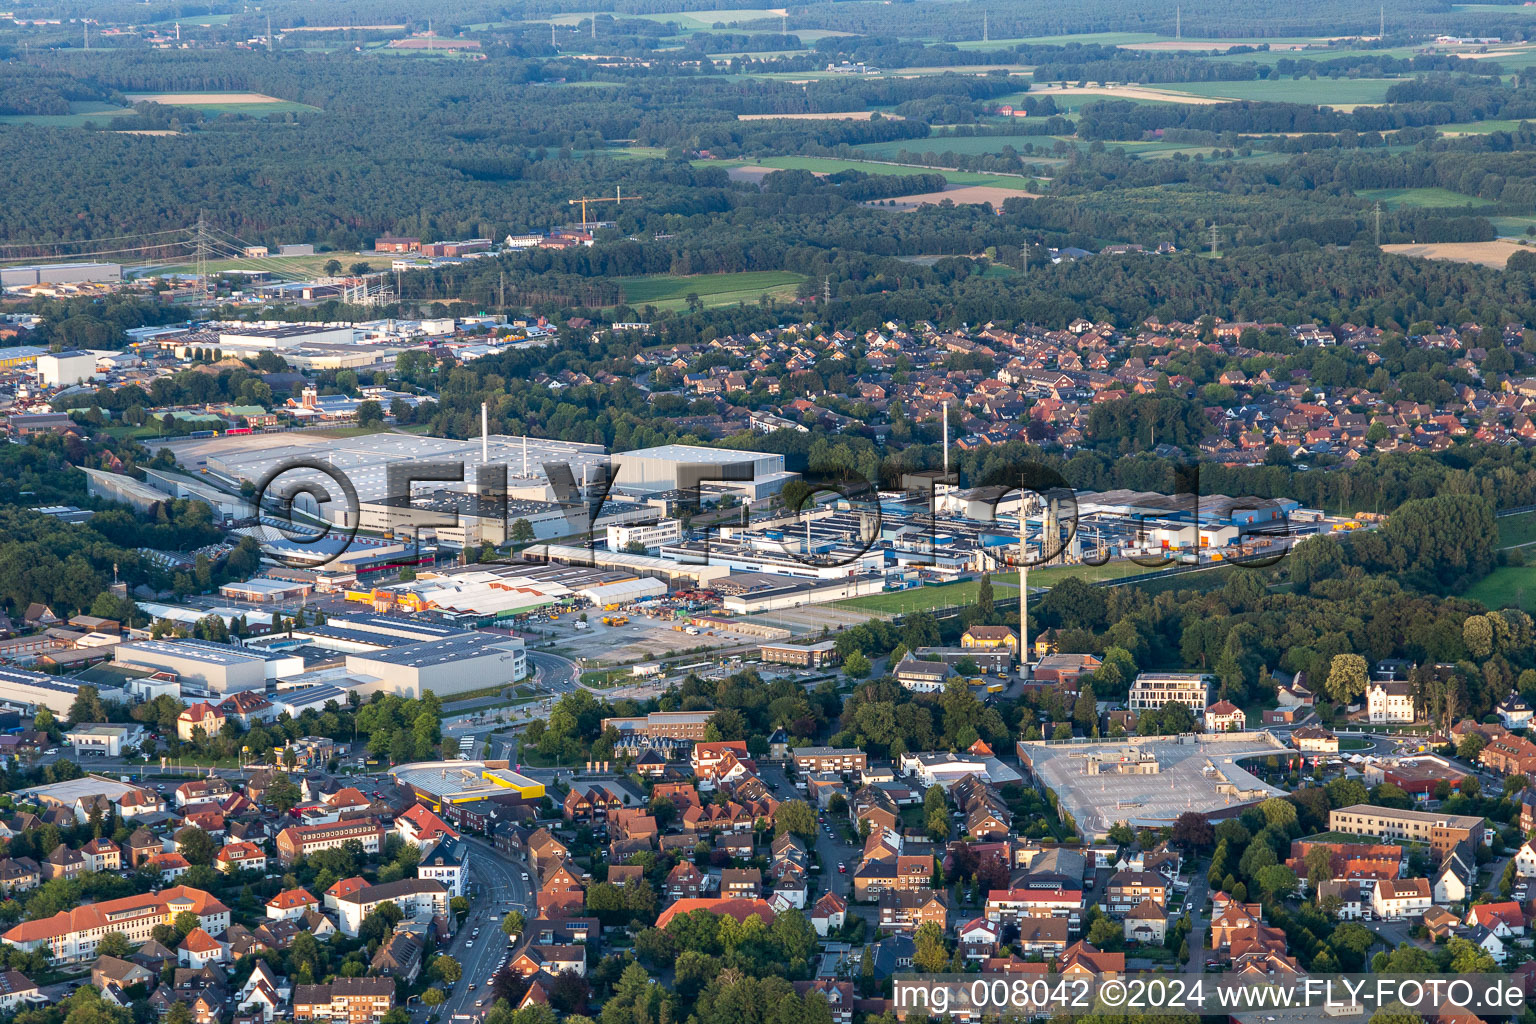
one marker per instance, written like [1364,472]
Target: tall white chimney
[485,433]
[946,442]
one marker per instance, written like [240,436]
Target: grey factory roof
[208,654]
[375,623]
[20,677]
[438,652]
[361,636]
[694,453]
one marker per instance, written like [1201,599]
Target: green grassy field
[667,291]
[1420,198]
[1509,587]
[827,165]
[1477,127]
[1330,91]
[1517,530]
[80,111]
[974,145]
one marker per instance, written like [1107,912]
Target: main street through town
[500,886]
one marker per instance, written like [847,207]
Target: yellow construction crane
[618,198]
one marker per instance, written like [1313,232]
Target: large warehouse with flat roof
[469,661]
[686,467]
[28,690]
[217,667]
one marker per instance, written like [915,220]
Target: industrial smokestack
[485,433]
[946,442]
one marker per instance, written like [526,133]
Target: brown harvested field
[1130,92]
[962,195]
[1487,254]
[844,115]
[201,99]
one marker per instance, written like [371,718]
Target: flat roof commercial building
[680,725]
[442,783]
[31,690]
[1412,826]
[106,740]
[217,667]
[687,467]
[470,661]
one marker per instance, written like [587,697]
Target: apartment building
[817,760]
[1126,890]
[677,725]
[1399,898]
[346,1000]
[1152,690]
[296,841]
[419,899]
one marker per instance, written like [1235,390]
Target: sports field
[1517,530]
[668,291]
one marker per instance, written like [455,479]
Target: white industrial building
[258,338]
[472,661]
[63,369]
[59,273]
[219,668]
[688,467]
[31,690]
[647,535]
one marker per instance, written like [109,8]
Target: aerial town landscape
[860,512]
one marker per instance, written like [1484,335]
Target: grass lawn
[1330,91]
[667,291]
[1509,587]
[1347,743]
[1420,198]
[1515,530]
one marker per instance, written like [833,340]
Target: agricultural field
[688,21]
[960,195]
[224,102]
[1420,198]
[974,145]
[80,112]
[1333,92]
[831,165]
[1488,254]
[667,291]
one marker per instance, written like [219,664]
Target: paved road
[830,850]
[500,889]
[1199,924]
